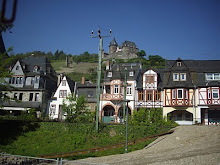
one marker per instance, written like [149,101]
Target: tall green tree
[141,53]
[76,109]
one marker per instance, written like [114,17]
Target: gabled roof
[195,72]
[113,42]
[119,70]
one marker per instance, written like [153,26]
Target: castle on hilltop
[127,50]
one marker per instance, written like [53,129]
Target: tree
[76,109]
[4,72]
[142,53]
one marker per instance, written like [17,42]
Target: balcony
[110,97]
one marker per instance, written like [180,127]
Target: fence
[8,159]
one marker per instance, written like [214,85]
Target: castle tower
[113,46]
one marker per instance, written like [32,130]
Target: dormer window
[182,76]
[179,63]
[109,74]
[131,73]
[175,76]
[212,76]
[36,68]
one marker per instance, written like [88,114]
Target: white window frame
[212,76]
[52,109]
[179,64]
[131,74]
[173,93]
[128,90]
[215,91]
[116,89]
[109,74]
[63,82]
[178,93]
[182,74]
[174,76]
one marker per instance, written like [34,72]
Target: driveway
[187,145]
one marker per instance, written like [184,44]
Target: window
[13,80]
[179,63]
[131,73]
[129,90]
[37,79]
[182,76]
[212,76]
[157,95]
[89,93]
[20,80]
[17,80]
[17,67]
[215,93]
[216,76]
[140,95]
[63,82]
[20,96]
[109,74]
[31,96]
[15,95]
[52,109]
[179,93]
[149,79]
[63,93]
[116,89]
[209,94]
[175,76]
[36,97]
[174,94]
[186,94]
[149,95]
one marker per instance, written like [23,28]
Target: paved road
[188,145]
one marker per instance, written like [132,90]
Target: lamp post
[99,73]
[126,143]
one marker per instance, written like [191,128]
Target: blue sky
[189,29]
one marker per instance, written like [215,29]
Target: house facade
[66,87]
[119,85]
[188,91]
[149,90]
[191,91]
[33,80]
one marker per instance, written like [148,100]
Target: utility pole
[99,73]
[125,90]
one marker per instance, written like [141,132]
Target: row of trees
[77,112]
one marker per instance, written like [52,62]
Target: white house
[65,87]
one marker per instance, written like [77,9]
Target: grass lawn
[34,139]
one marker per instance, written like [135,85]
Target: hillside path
[188,145]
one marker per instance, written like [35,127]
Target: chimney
[107,65]
[83,80]
[58,80]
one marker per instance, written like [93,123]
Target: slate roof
[113,42]
[71,84]
[118,71]
[129,44]
[195,73]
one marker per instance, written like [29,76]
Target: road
[188,145]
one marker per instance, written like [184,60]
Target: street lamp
[126,143]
